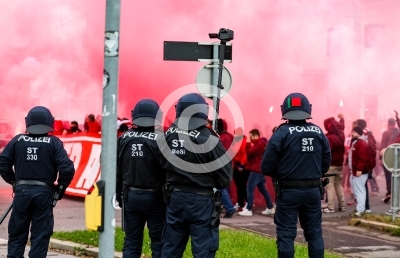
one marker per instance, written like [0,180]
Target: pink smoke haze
[343,55]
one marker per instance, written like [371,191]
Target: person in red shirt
[255,149]
[358,161]
[336,139]
[92,125]
[226,138]
[240,171]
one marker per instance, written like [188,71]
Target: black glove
[61,191]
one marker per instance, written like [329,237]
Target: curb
[377,224]
[3,242]
[71,247]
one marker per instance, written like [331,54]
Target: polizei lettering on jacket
[34,139]
[147,135]
[300,129]
[193,133]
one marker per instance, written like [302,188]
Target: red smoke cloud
[341,54]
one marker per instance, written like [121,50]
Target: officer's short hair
[255,132]
[74,123]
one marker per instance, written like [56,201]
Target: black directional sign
[191,51]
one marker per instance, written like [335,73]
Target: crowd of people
[356,163]
[91,125]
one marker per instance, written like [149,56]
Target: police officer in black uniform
[189,149]
[140,178]
[297,156]
[36,157]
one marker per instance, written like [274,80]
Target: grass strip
[378,218]
[233,243]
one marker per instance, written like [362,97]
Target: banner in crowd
[84,150]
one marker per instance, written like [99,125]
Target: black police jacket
[297,151]
[196,158]
[138,160]
[36,157]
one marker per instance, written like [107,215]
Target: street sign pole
[109,124]
[390,159]
[224,35]
[219,80]
[215,53]
[215,85]
[395,185]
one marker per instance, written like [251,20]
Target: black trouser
[388,177]
[240,179]
[31,208]
[367,197]
[305,205]
[143,207]
[189,214]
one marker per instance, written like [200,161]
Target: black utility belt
[33,182]
[299,184]
[196,190]
[133,188]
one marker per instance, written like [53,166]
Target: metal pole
[395,184]
[109,124]
[215,85]
[217,54]
[220,70]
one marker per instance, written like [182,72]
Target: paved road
[339,237]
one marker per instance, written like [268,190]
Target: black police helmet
[146,113]
[296,107]
[39,120]
[188,120]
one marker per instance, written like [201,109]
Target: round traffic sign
[388,157]
[204,82]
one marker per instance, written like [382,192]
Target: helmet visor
[146,121]
[296,115]
[39,129]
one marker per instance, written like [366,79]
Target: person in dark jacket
[39,160]
[74,128]
[386,138]
[336,138]
[140,178]
[358,160]
[226,138]
[195,162]
[297,156]
[254,149]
